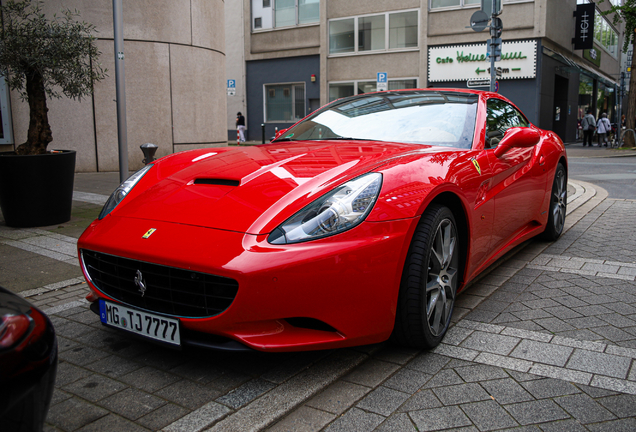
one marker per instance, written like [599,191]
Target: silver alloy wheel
[441,284]
[559,200]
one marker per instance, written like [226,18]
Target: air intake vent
[169,290]
[310,323]
[218,182]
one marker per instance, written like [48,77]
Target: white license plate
[143,323]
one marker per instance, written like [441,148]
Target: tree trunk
[630,116]
[39,134]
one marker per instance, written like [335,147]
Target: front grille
[169,290]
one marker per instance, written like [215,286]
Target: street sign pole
[120,89]
[493,44]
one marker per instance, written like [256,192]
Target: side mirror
[280,132]
[517,137]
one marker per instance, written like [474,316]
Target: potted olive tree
[42,57]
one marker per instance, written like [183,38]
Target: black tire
[558,205]
[429,282]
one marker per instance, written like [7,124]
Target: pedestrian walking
[604,127]
[589,126]
[240,125]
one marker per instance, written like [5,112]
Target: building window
[371,33]
[403,30]
[285,13]
[439,4]
[341,36]
[340,90]
[453,3]
[284,102]
[308,11]
[605,35]
[402,84]
[6,134]
[258,23]
[344,89]
[388,31]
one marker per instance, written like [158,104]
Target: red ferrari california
[360,223]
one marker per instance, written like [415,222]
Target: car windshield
[420,117]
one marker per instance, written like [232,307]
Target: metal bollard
[262,133]
[149,150]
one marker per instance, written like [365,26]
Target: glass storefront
[606,102]
[586,92]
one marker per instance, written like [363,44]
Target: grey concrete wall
[286,39]
[175,76]
[284,70]
[397,65]
[235,61]
[345,8]
[449,27]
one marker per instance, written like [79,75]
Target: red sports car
[358,224]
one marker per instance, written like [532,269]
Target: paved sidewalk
[576,150]
[546,340]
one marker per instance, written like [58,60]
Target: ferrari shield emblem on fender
[477,167]
[149,233]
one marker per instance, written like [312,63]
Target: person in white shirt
[604,127]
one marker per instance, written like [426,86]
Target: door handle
[541,160]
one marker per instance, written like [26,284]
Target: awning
[579,67]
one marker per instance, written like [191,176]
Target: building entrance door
[560,109]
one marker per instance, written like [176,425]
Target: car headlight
[339,210]
[122,190]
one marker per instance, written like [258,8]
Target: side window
[496,124]
[501,116]
[520,119]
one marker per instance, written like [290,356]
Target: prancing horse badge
[477,167]
[149,233]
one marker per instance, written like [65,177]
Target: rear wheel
[558,205]
[429,281]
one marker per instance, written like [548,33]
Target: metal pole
[120,84]
[619,127]
[493,34]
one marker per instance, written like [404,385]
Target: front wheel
[558,205]
[429,281]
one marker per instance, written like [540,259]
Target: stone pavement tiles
[401,390]
[606,233]
[109,381]
[34,257]
[546,346]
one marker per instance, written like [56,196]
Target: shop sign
[469,62]
[593,55]
[584,30]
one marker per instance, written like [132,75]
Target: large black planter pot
[36,190]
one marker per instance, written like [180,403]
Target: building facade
[174,66]
[301,54]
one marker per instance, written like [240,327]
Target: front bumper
[349,282]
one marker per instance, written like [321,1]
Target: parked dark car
[28,364]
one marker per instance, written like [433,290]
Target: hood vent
[218,182]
